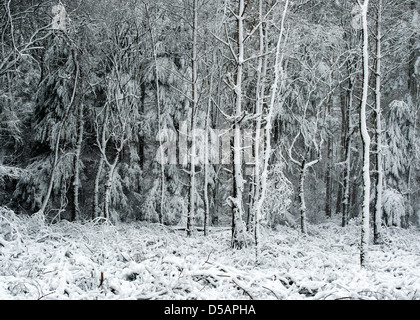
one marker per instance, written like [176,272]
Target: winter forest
[210,149]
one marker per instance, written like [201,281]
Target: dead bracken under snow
[138,260]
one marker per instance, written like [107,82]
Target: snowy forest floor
[149,261]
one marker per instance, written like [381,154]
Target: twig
[271,292]
[249,295]
[208,257]
[88,248]
[102,280]
[44,295]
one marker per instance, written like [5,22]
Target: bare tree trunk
[206,156]
[141,138]
[76,179]
[239,229]
[251,196]
[413,87]
[377,217]
[101,144]
[269,119]
[365,140]
[194,101]
[302,205]
[262,67]
[206,178]
[414,54]
[344,124]
[328,172]
[303,168]
[108,187]
[95,205]
[347,168]
[346,195]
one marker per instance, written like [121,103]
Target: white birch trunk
[269,118]
[364,243]
[108,187]
[238,236]
[102,146]
[76,179]
[303,168]
[262,64]
[301,190]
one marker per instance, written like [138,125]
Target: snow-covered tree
[55,122]
[400,139]
[394,207]
[277,87]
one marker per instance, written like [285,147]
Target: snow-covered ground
[97,260]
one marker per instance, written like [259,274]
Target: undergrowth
[99,260]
